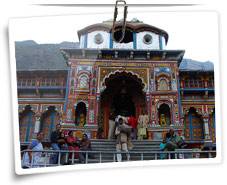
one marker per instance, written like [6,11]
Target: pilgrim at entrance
[123,96]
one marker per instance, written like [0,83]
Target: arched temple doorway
[164,115]
[80,114]
[123,95]
[194,125]
[49,119]
[26,124]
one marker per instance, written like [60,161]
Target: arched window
[26,124]
[49,120]
[163,84]
[80,114]
[83,82]
[164,115]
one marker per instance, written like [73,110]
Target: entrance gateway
[123,95]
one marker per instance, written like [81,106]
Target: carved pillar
[87,114]
[97,109]
[37,123]
[148,106]
[69,115]
[206,127]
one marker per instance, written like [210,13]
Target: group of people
[124,129]
[171,142]
[121,128]
[138,126]
[59,141]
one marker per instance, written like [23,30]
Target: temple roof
[31,56]
[135,25]
[193,65]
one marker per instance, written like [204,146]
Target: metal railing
[70,156]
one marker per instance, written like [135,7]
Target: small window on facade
[98,38]
[128,37]
[33,82]
[163,85]
[147,39]
[83,83]
[23,82]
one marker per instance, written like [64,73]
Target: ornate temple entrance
[123,95]
[194,125]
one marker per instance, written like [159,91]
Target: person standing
[55,140]
[143,121]
[111,127]
[133,123]
[33,159]
[122,139]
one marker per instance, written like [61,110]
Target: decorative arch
[49,119]
[164,109]
[83,81]
[163,74]
[198,109]
[159,103]
[81,113]
[193,125]
[163,82]
[26,124]
[114,73]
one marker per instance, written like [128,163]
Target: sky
[195,32]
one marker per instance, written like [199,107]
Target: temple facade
[80,84]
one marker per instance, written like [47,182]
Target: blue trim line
[29,125]
[180,112]
[196,89]
[111,41]
[85,41]
[160,42]
[42,87]
[134,40]
[67,90]
[52,119]
[190,126]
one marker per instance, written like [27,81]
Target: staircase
[104,145]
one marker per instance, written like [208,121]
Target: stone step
[134,141]
[133,149]
[113,143]
[110,159]
[132,157]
